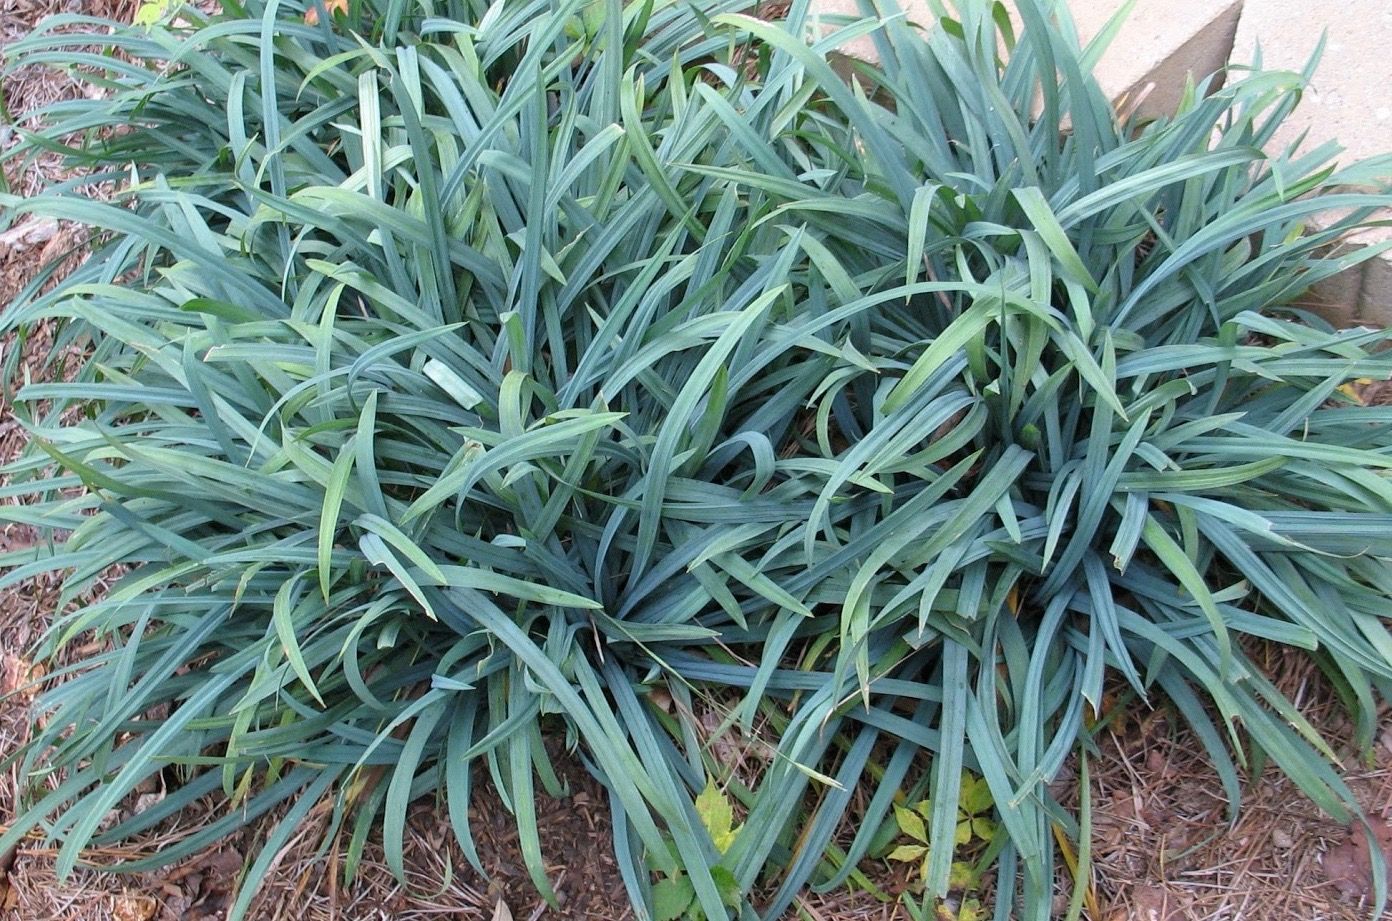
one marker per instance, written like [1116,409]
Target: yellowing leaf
[908,852]
[963,834]
[1354,390]
[717,816]
[911,823]
[150,12]
[976,795]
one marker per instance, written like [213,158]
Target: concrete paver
[1164,42]
[1350,100]
[1160,44]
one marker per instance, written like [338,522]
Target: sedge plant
[464,382]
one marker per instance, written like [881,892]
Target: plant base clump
[463,376]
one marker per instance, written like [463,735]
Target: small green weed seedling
[674,896]
[975,832]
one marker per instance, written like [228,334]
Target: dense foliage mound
[464,378]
